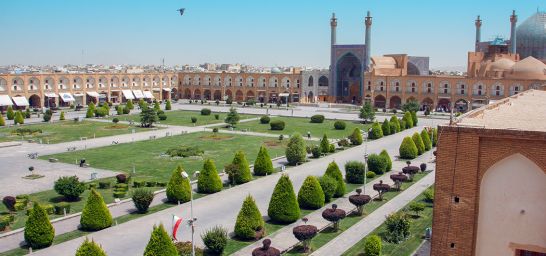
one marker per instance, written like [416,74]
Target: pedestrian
[308,135]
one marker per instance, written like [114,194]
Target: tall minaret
[333,26]
[513,21]
[478,24]
[368,40]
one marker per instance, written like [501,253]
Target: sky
[254,32]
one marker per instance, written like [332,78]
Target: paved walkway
[284,239]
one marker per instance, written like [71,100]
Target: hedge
[407,149]
[376,131]
[249,220]
[205,112]
[160,243]
[90,248]
[317,119]
[209,181]
[263,164]
[426,140]
[243,174]
[283,206]
[334,172]
[295,151]
[178,189]
[356,137]
[339,125]
[387,158]
[311,195]
[418,143]
[377,164]
[39,232]
[265,119]
[95,215]
[354,172]
[277,125]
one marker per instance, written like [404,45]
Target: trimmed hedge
[317,119]
[265,119]
[178,189]
[95,215]
[324,144]
[387,158]
[328,185]
[355,137]
[354,172]
[90,248]
[61,207]
[243,174]
[283,206]
[205,112]
[376,132]
[277,125]
[311,195]
[249,220]
[407,149]
[418,143]
[386,127]
[39,232]
[414,118]
[377,164]
[160,243]
[426,140]
[408,120]
[295,151]
[334,172]
[340,125]
[396,122]
[209,181]
[263,164]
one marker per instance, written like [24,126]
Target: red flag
[176,224]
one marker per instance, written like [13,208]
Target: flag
[176,224]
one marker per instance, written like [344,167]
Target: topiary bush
[317,119]
[168,105]
[19,119]
[370,174]
[324,144]
[283,206]
[402,125]
[215,239]
[61,117]
[334,172]
[418,143]
[356,137]
[295,151]
[316,151]
[407,149]
[376,131]
[2,120]
[263,164]
[61,208]
[426,140]
[205,112]
[304,233]
[265,119]
[249,224]
[328,185]
[408,120]
[277,125]
[429,195]
[121,178]
[372,246]
[142,198]
[69,187]
[10,114]
[90,248]
[95,215]
[339,125]
[160,243]
[359,201]
[377,164]
[9,202]
[414,118]
[311,195]
[209,181]
[242,174]
[178,188]
[193,119]
[386,128]
[39,232]
[387,158]
[354,172]
[334,215]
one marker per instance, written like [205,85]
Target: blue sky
[257,32]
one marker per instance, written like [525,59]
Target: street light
[365,160]
[192,220]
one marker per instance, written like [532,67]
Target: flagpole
[192,220]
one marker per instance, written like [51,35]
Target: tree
[334,172]
[356,137]
[69,187]
[283,206]
[408,120]
[407,149]
[354,172]
[209,181]
[395,121]
[263,164]
[10,114]
[168,105]
[372,246]
[295,151]
[387,158]
[91,106]
[418,143]
[61,118]
[328,185]
[90,113]
[249,220]
[414,118]
[148,117]
[130,105]
[232,117]
[376,132]
[366,112]
[156,106]
[386,127]
[95,215]
[311,195]
[416,207]
[2,120]
[142,198]
[39,232]
[19,119]
[242,174]
[397,225]
[215,239]
[411,106]
[426,140]
[90,248]
[324,144]
[178,188]
[160,243]
[377,164]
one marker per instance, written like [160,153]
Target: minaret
[368,41]
[333,26]
[513,21]
[478,24]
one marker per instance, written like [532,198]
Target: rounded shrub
[370,174]
[339,125]
[215,239]
[316,151]
[372,246]
[407,149]
[142,198]
[39,232]
[311,195]
[209,181]
[277,125]
[263,165]
[387,158]
[317,119]
[10,114]
[242,174]
[283,206]
[115,120]
[377,164]
[265,119]
[249,221]
[178,188]
[205,112]
[386,127]
[193,119]
[19,119]
[426,140]
[328,185]
[376,131]
[9,202]
[334,172]
[295,151]
[356,137]
[418,143]
[95,215]
[90,248]
[69,187]
[162,117]
[160,243]
[121,178]
[354,172]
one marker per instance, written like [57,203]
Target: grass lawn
[303,125]
[151,164]
[417,229]
[67,131]
[183,118]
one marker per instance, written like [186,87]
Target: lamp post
[365,161]
[192,220]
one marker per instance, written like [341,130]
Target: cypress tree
[178,188]
[386,127]
[90,248]
[62,116]
[387,158]
[160,243]
[156,106]
[376,132]
[19,119]
[95,215]
[418,143]
[90,112]
[395,121]
[243,174]
[295,151]
[92,106]
[334,172]
[408,120]
[328,186]
[311,195]
[168,105]
[249,220]
[263,165]
[130,105]
[324,144]
[209,181]
[414,118]
[426,140]
[356,137]
[407,149]
[2,120]
[10,114]
[283,206]
[39,232]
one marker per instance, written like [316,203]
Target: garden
[185,118]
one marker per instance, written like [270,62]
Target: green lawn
[417,229]
[150,163]
[183,118]
[303,125]
[67,131]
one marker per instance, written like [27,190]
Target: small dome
[276,70]
[384,62]
[529,68]
[502,65]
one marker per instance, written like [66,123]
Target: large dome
[531,37]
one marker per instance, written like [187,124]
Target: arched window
[310,81]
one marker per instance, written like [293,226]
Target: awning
[5,100]
[156,89]
[20,101]
[66,97]
[167,89]
[148,95]
[93,94]
[50,95]
[284,94]
[138,94]
[78,94]
[128,94]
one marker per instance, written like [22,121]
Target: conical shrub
[356,137]
[95,214]
[91,106]
[90,248]
[408,120]
[209,181]
[19,119]
[160,243]
[39,232]
[376,131]
[283,206]
[386,127]
[10,114]
[311,195]
[418,143]
[90,112]
[179,188]
[62,118]
[168,105]
[130,105]
[328,186]
[387,158]
[334,172]
[295,151]
[249,220]
[414,118]
[324,144]
[243,173]
[2,120]
[426,140]
[395,121]
[263,165]
[407,149]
